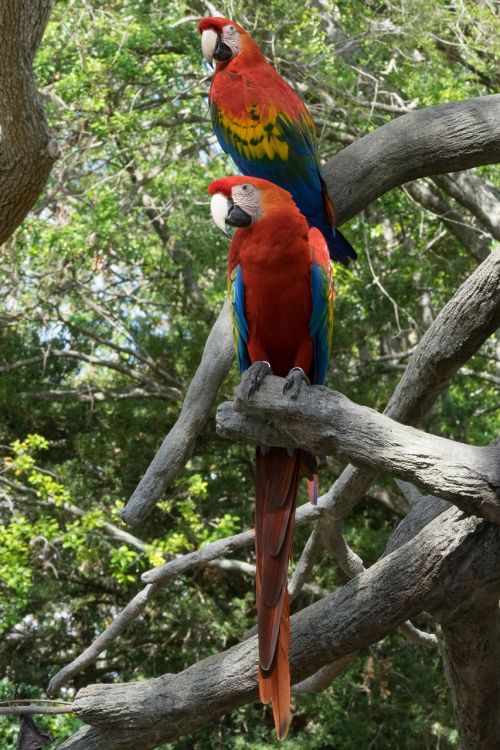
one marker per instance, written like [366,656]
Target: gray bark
[430,141]
[177,447]
[478,196]
[27,148]
[475,241]
[447,561]
[326,422]
[472,658]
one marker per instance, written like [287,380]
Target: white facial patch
[219,208]
[231,37]
[247,197]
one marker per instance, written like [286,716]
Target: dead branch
[179,443]
[324,422]
[453,555]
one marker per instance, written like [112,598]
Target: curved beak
[209,41]
[225,211]
[220,206]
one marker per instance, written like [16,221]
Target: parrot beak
[219,208]
[209,41]
[224,211]
[238,218]
[214,48]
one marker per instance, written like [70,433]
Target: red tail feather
[277,476]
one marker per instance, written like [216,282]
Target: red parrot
[281,292]
[266,127]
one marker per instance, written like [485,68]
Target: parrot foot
[294,380]
[254,377]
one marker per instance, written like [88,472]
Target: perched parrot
[281,293]
[266,127]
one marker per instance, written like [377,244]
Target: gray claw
[294,380]
[254,377]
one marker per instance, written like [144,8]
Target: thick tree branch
[430,141]
[472,656]
[27,148]
[325,422]
[446,560]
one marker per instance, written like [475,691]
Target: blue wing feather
[299,173]
[240,325]
[321,321]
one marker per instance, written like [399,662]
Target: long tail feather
[277,476]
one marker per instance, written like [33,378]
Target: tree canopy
[109,290]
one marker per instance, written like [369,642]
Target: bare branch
[239,566]
[93,394]
[324,676]
[179,443]
[452,554]
[325,422]
[84,357]
[33,709]
[417,636]
[480,197]
[473,240]
[429,141]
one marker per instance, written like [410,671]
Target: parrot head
[243,201]
[222,39]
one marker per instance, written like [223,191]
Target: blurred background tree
[109,289]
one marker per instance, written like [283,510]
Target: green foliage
[109,290]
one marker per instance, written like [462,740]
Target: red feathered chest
[276,266]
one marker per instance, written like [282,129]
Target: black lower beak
[222,53]
[238,218]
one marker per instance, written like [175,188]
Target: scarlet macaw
[281,292]
[265,126]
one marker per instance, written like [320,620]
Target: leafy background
[109,290]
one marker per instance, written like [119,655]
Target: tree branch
[480,197]
[93,394]
[430,141]
[473,240]
[177,447]
[472,656]
[446,561]
[325,422]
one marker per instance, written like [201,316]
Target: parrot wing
[274,140]
[323,295]
[237,307]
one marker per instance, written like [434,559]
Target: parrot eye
[245,187]
[231,28]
